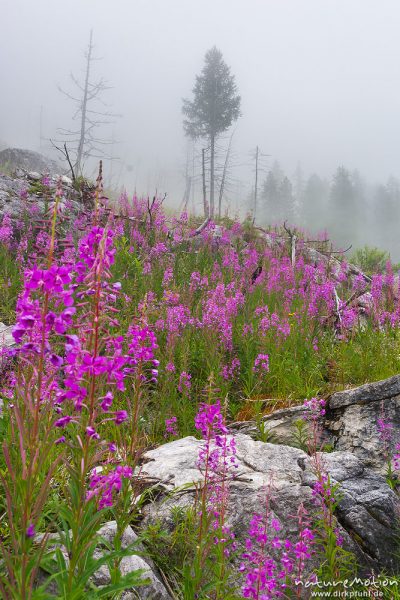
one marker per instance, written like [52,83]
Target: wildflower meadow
[134,328]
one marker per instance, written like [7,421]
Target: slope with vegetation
[132,329]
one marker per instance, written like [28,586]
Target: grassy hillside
[133,329]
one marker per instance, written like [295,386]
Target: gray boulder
[350,424]
[28,160]
[20,193]
[352,420]
[367,508]
[6,338]
[153,590]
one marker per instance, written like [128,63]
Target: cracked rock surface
[352,420]
[367,508]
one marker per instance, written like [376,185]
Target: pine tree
[270,196]
[386,214]
[314,204]
[344,217]
[215,106]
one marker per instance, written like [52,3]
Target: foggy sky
[319,79]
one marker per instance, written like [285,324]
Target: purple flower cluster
[261,364]
[6,231]
[270,563]
[217,462]
[104,486]
[185,383]
[170,426]
[316,408]
[71,308]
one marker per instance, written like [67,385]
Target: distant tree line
[351,210]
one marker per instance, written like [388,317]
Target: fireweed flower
[103,487]
[271,563]
[91,433]
[6,231]
[170,426]
[209,420]
[316,408]
[231,371]
[261,363]
[63,421]
[120,416]
[217,461]
[168,276]
[106,401]
[385,430]
[184,384]
[396,458]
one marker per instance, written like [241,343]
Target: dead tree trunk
[82,136]
[203,164]
[255,188]
[224,173]
[212,176]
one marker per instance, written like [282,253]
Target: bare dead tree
[65,152]
[85,142]
[203,171]
[186,194]
[293,239]
[153,205]
[188,179]
[224,173]
[258,157]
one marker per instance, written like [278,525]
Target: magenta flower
[184,384]
[106,401]
[105,486]
[210,419]
[91,432]
[261,363]
[63,421]
[170,426]
[120,416]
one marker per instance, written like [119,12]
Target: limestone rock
[6,338]
[279,425]
[154,590]
[352,420]
[18,194]
[350,424]
[366,511]
[19,158]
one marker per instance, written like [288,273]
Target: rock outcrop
[6,338]
[154,589]
[367,507]
[20,192]
[356,418]
[354,422]
[27,160]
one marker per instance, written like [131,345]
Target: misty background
[320,89]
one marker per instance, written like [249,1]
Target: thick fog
[319,81]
